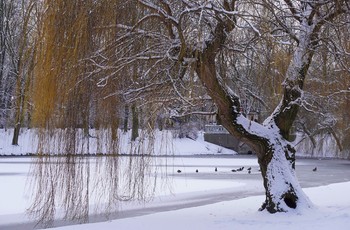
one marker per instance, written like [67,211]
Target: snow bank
[97,142]
[165,144]
[27,143]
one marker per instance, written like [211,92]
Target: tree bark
[19,107]
[135,123]
[275,154]
[282,189]
[126,118]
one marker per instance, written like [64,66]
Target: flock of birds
[239,170]
[233,170]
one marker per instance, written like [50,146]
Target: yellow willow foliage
[64,87]
[66,38]
[281,58]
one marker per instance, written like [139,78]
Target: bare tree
[16,62]
[8,13]
[23,63]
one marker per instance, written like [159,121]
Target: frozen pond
[174,190]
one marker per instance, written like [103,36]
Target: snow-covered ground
[204,200]
[188,200]
[331,211]
[27,142]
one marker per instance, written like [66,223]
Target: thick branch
[286,113]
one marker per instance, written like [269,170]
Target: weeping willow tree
[78,83]
[71,96]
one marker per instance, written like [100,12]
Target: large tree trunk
[282,188]
[275,154]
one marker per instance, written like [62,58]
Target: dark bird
[196,170]
[249,171]
[234,170]
[315,169]
[216,169]
[240,169]
[179,171]
[250,168]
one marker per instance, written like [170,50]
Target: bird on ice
[240,169]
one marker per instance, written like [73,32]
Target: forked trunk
[275,154]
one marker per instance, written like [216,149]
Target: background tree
[3,60]
[8,36]
[17,47]
[329,92]
[23,61]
